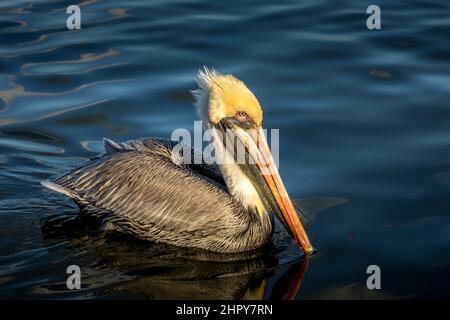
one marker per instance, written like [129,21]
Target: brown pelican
[146,187]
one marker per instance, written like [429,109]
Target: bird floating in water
[144,188]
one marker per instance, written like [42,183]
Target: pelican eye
[242,116]
[242,119]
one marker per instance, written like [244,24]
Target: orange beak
[256,145]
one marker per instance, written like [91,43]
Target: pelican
[145,187]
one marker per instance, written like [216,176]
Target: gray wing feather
[149,195]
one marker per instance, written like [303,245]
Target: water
[364,122]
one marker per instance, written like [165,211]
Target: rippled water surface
[364,119]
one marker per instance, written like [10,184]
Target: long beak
[255,143]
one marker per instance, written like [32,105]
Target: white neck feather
[239,185]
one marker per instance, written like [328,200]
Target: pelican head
[227,106]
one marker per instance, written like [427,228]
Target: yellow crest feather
[227,95]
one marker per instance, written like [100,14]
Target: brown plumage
[147,188]
[135,187]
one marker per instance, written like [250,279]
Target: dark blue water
[364,119]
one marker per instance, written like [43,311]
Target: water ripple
[363,116]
